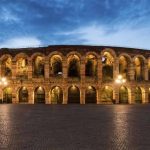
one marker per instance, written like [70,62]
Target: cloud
[21,42]
[6,15]
[123,37]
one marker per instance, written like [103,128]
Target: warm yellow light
[124,80]
[119,76]
[3,79]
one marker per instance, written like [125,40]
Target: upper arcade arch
[107,66]
[91,65]
[56,65]
[73,62]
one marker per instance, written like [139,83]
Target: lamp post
[3,83]
[119,81]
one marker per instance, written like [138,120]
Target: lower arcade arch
[107,94]
[123,95]
[7,95]
[90,95]
[56,95]
[73,94]
[138,95]
[39,95]
[23,95]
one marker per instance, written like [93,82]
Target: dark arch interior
[6,67]
[90,95]
[74,68]
[73,95]
[7,95]
[56,95]
[38,66]
[107,73]
[23,95]
[123,95]
[39,95]
[138,95]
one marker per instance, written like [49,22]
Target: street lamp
[120,79]
[3,83]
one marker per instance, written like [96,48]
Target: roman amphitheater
[75,74]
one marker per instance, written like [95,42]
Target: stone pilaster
[116,68]
[15,99]
[132,101]
[14,70]
[82,95]
[98,95]
[31,95]
[47,68]
[82,71]
[116,94]
[99,70]
[30,69]
[64,69]
[65,95]
[145,100]
[146,72]
[47,99]
[131,72]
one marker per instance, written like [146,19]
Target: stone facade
[75,74]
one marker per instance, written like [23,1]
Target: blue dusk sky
[34,23]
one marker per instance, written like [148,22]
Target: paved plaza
[74,127]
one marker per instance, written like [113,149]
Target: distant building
[75,74]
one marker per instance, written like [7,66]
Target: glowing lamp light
[120,80]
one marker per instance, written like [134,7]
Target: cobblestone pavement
[74,127]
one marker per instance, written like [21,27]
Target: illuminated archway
[139,69]
[23,95]
[7,95]
[107,94]
[38,66]
[56,65]
[124,66]
[138,95]
[22,67]
[123,95]
[90,95]
[73,66]
[39,95]
[56,95]
[6,67]
[107,68]
[73,94]
[91,66]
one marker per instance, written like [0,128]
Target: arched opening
[91,66]
[138,95]
[56,65]
[73,94]
[123,95]
[7,95]
[39,95]
[107,94]
[38,66]
[139,69]
[107,68]
[6,67]
[124,67]
[23,95]
[22,68]
[90,95]
[56,95]
[73,66]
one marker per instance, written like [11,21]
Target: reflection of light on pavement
[5,126]
[121,128]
